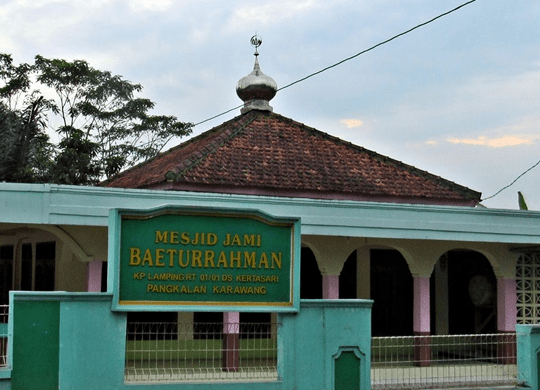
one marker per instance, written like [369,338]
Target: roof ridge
[203,135]
[197,138]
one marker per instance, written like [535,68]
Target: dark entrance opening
[392,293]
[347,278]
[472,303]
[310,276]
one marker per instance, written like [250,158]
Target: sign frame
[120,219]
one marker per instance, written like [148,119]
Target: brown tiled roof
[267,154]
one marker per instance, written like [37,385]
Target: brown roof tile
[265,153]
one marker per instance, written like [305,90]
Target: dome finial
[256,42]
[256,89]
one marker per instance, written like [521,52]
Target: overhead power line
[350,58]
[377,45]
[509,185]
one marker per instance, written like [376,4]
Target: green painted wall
[92,346]
[74,341]
[528,350]
[67,341]
[318,335]
[36,341]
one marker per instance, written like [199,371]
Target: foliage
[101,125]
[522,202]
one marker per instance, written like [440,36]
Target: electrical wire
[217,116]
[350,58]
[377,45]
[509,185]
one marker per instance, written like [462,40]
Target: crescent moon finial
[256,41]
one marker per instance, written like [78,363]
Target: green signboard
[182,259]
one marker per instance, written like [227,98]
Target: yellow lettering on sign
[222,261]
[232,240]
[276,260]
[159,257]
[181,262]
[236,240]
[162,257]
[235,259]
[184,238]
[209,259]
[135,256]
[147,259]
[249,239]
[249,259]
[212,239]
[161,236]
[244,290]
[196,257]
[171,253]
[263,261]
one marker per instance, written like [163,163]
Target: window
[44,268]
[31,268]
[6,273]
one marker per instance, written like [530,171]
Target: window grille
[528,289]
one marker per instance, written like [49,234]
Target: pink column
[93,276]
[231,340]
[421,321]
[507,319]
[506,305]
[330,286]
[421,316]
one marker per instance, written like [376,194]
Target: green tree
[25,151]
[15,80]
[102,126]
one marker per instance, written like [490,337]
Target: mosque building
[372,227]
[262,153]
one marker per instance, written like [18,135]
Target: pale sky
[459,98]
